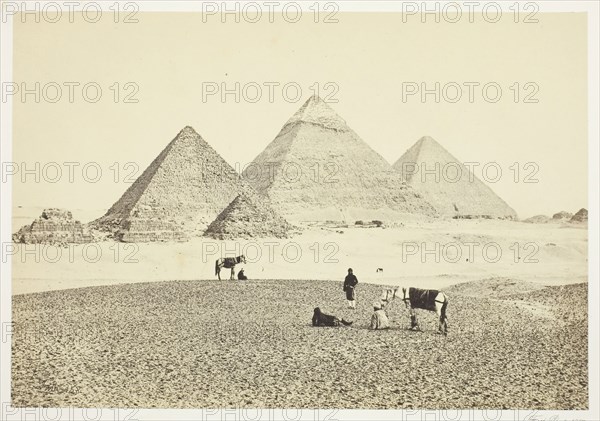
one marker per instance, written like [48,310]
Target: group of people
[379,318]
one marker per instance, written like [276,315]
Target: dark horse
[228,263]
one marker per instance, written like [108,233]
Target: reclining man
[321,319]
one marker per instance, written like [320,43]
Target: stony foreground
[229,344]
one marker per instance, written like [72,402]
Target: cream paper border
[592,8]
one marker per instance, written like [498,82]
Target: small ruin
[54,226]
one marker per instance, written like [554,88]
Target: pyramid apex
[187,134]
[426,142]
[313,100]
[243,200]
[240,198]
[427,139]
[188,130]
[316,111]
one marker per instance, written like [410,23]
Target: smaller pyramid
[247,218]
[447,183]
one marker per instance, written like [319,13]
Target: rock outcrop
[538,219]
[562,216]
[580,216]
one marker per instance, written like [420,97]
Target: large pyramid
[450,187]
[247,218]
[177,196]
[318,169]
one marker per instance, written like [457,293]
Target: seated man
[241,276]
[379,319]
[321,319]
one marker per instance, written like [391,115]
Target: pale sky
[368,56]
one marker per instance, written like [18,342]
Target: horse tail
[346,323]
[444,307]
[217,267]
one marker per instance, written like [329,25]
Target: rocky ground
[562,217]
[224,344]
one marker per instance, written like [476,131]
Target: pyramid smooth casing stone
[453,191]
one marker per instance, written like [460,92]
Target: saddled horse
[426,299]
[228,263]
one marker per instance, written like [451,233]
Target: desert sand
[147,325]
[550,254]
[188,344]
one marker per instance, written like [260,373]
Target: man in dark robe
[349,287]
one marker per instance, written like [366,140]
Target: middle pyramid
[319,169]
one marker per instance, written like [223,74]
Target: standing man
[349,285]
